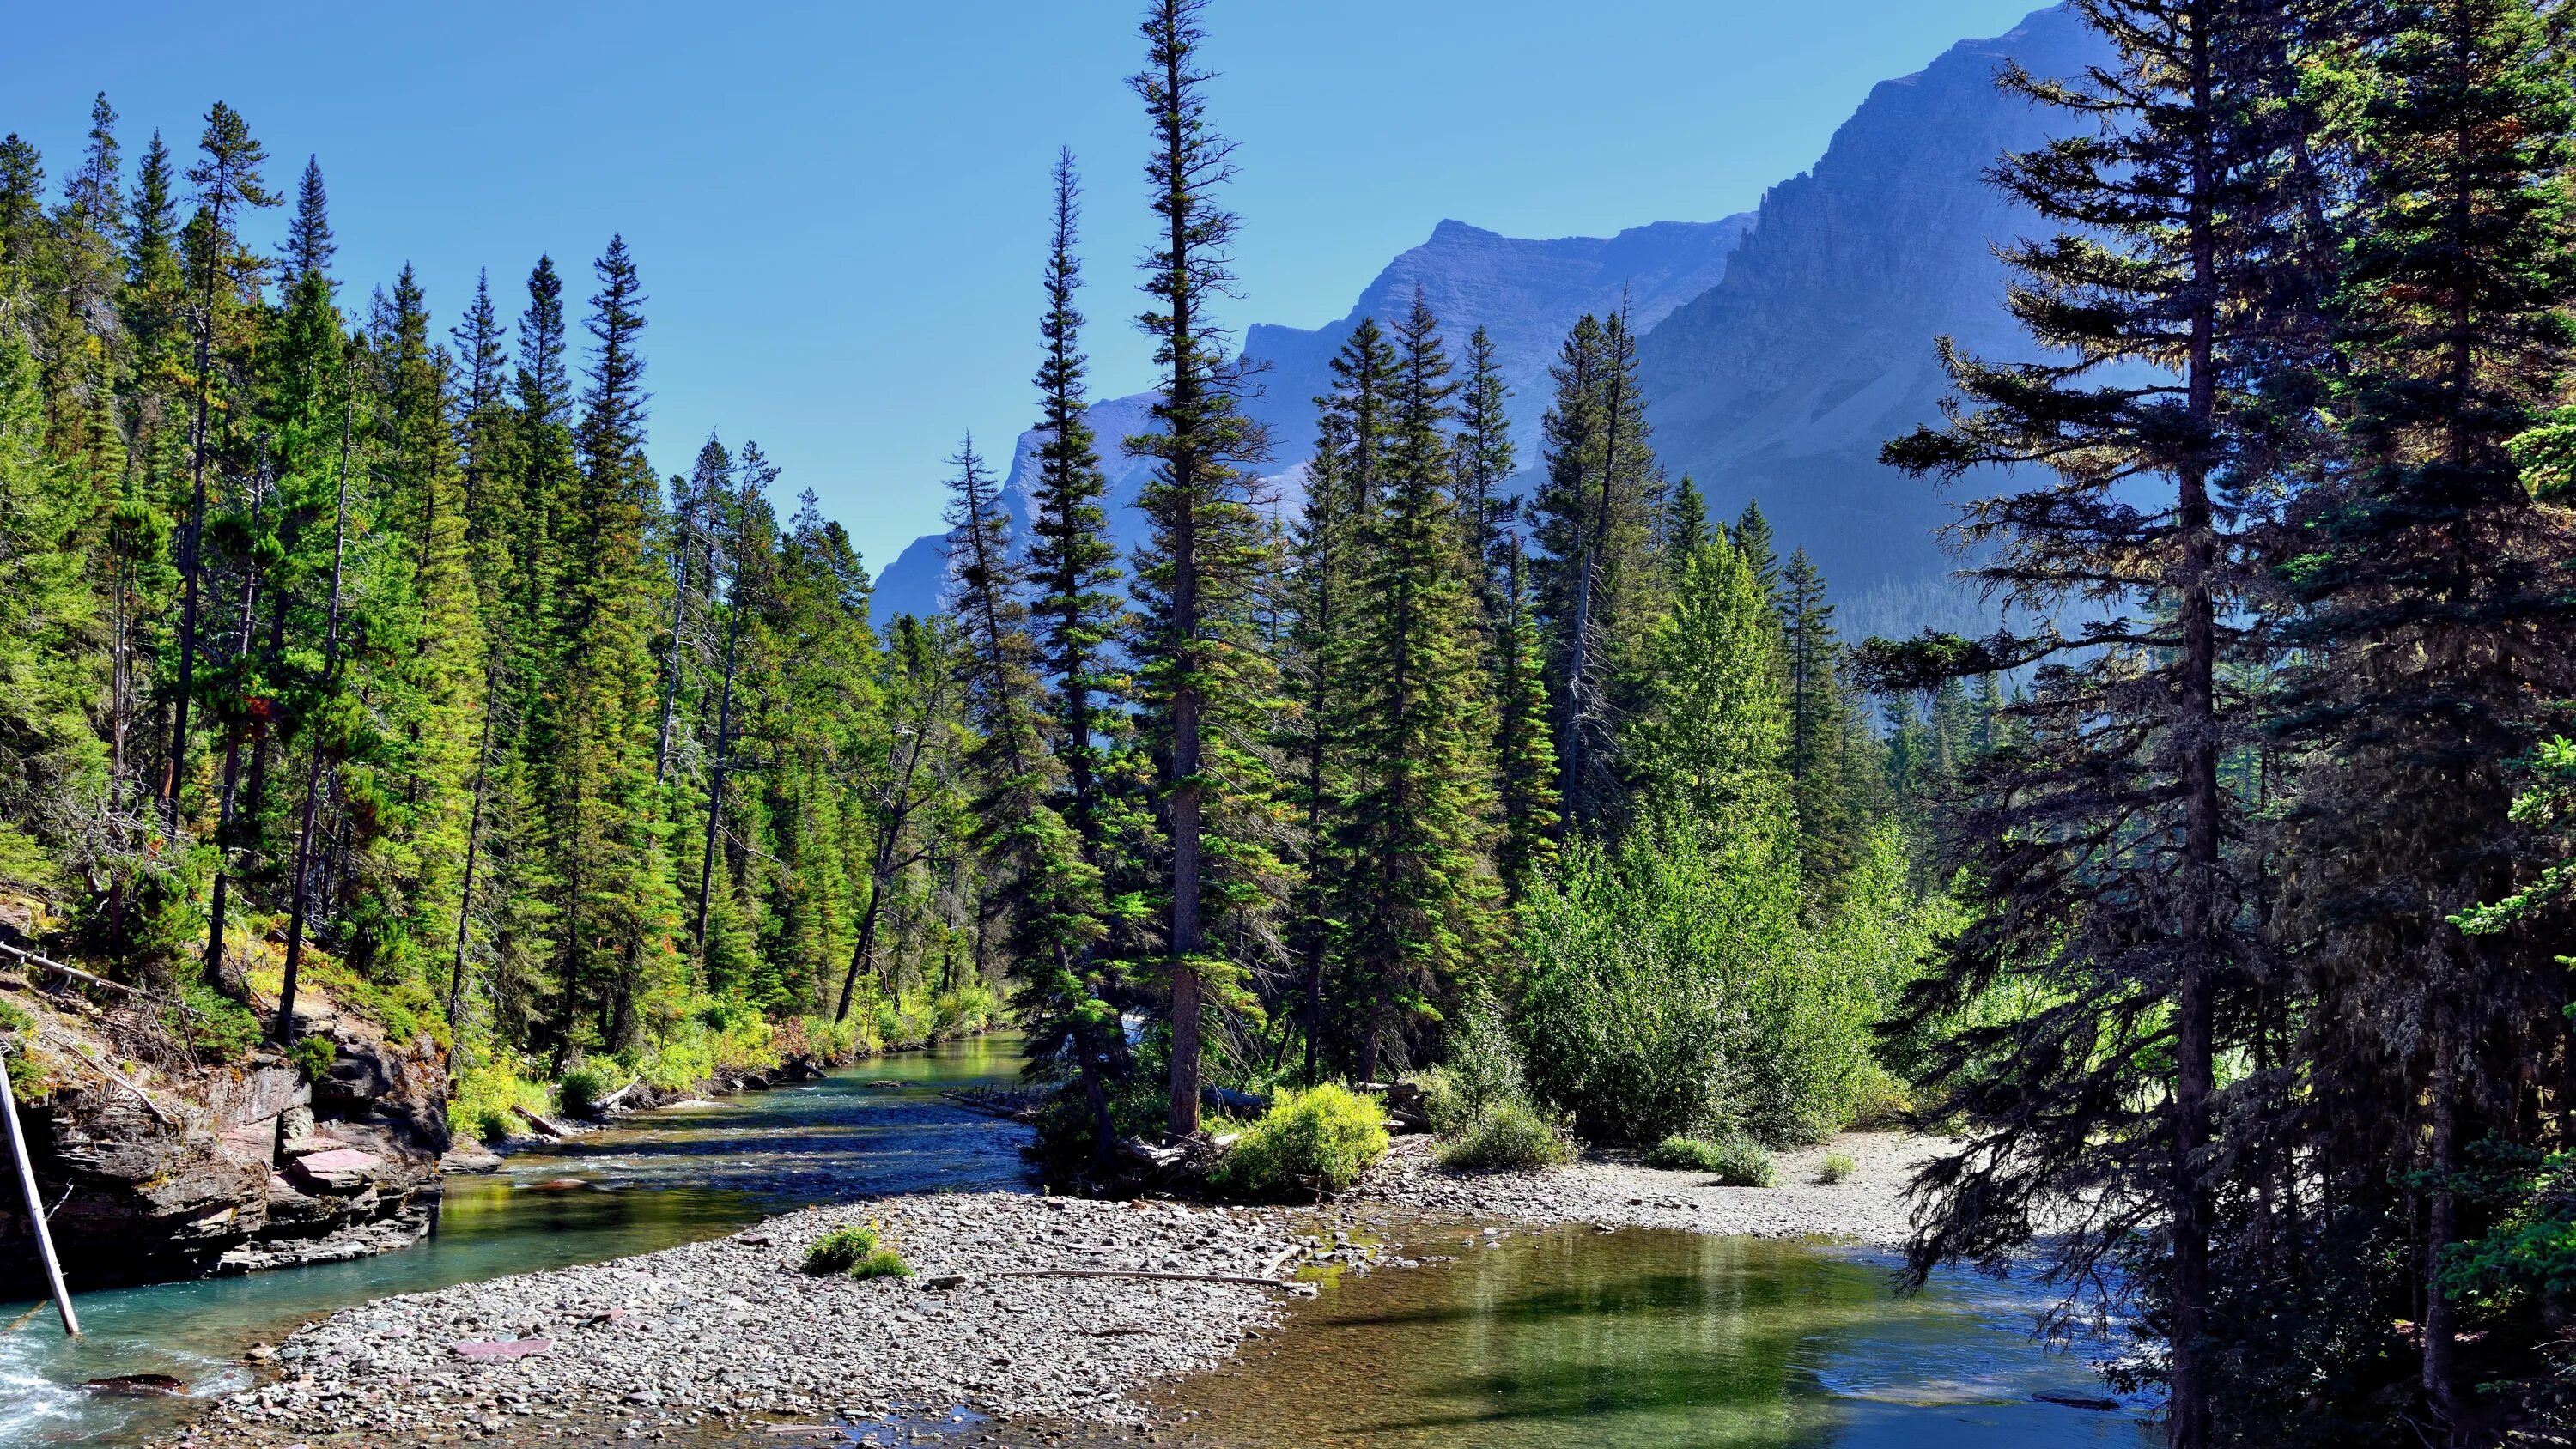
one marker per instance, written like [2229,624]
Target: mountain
[1779,348]
[1817,345]
[1526,294]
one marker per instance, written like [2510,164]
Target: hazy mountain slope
[1818,344]
[1526,294]
[1781,348]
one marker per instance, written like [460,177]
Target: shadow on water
[659,1179]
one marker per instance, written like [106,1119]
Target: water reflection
[1650,1340]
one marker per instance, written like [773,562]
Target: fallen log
[545,1126]
[609,1103]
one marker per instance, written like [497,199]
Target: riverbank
[1867,1206]
[732,1333]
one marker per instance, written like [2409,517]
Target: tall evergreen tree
[2101,854]
[1485,461]
[2435,617]
[1525,767]
[227,181]
[1600,581]
[1204,679]
[309,247]
[1420,908]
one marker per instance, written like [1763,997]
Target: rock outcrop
[226,1169]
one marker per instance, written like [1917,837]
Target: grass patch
[855,1251]
[1734,1162]
[1312,1142]
[1507,1135]
[1836,1167]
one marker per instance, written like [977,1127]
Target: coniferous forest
[2212,909]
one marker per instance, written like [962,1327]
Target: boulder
[339,1169]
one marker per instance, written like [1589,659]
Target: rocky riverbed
[1022,1307]
[734,1331]
[1868,1206]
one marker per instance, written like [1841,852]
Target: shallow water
[1651,1339]
[659,1179]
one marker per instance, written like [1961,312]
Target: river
[1630,1340]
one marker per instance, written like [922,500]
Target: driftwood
[546,1126]
[609,1103]
[22,954]
[1280,1260]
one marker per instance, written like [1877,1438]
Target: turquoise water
[658,1179]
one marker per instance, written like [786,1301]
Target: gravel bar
[733,1331]
[1869,1206]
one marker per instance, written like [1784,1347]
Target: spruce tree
[309,247]
[2434,617]
[1707,744]
[1829,827]
[1204,680]
[1483,449]
[2100,855]
[1420,902]
[1600,580]
[1525,765]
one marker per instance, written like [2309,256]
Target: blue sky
[839,210]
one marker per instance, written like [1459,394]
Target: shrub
[586,1083]
[1311,1143]
[855,1251]
[313,1056]
[1734,1162]
[218,1028]
[1836,1168]
[1507,1135]
[487,1101]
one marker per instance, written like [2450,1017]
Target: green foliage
[1733,1161]
[489,1100]
[1505,1136]
[1837,1167]
[587,1081]
[216,1027]
[855,1250]
[1311,1143]
[312,1056]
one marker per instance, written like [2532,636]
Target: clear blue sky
[839,209]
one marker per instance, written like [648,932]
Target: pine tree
[1203,678]
[1600,581]
[2434,615]
[227,180]
[1752,538]
[1525,765]
[22,200]
[95,195]
[2100,854]
[1420,905]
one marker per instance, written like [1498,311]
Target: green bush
[1505,1136]
[1836,1168]
[1734,1162]
[1677,980]
[488,1099]
[585,1083]
[313,1056]
[218,1028]
[1312,1142]
[855,1251]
